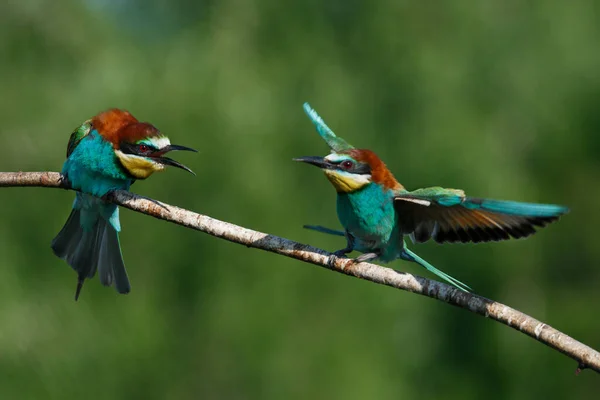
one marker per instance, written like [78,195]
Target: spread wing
[78,134]
[447,215]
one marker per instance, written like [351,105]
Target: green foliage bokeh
[498,98]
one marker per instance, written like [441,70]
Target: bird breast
[368,214]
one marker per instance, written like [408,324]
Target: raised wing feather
[78,134]
[447,215]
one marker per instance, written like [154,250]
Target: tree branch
[585,356]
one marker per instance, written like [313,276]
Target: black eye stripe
[128,148]
[356,168]
[363,169]
[145,149]
[140,149]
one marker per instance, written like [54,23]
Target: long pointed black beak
[170,161]
[176,147]
[173,163]
[317,161]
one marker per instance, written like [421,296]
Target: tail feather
[110,262]
[324,229]
[410,256]
[84,256]
[65,242]
[106,275]
[85,250]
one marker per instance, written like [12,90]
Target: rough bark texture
[585,356]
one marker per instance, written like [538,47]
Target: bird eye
[347,164]
[143,148]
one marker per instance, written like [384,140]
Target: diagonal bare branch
[585,356]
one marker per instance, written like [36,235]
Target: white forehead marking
[159,142]
[334,157]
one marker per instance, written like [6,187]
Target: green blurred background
[498,98]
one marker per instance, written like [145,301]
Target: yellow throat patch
[138,167]
[345,182]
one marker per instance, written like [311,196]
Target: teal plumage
[367,213]
[93,168]
[377,212]
[335,143]
[89,239]
[104,154]
[516,208]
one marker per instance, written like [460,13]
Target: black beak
[170,161]
[176,147]
[320,162]
[173,163]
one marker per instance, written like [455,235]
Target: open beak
[317,161]
[158,157]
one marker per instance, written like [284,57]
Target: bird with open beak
[108,152]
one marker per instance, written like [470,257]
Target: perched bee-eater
[108,152]
[376,211]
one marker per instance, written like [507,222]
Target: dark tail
[324,229]
[85,250]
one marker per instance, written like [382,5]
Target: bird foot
[158,203]
[106,196]
[338,254]
[63,181]
[366,257]
[342,252]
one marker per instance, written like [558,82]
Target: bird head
[139,146]
[347,168]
